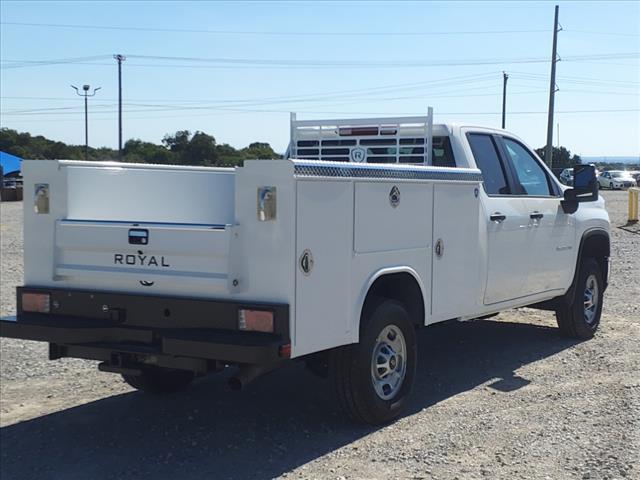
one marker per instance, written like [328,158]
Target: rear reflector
[285,351]
[36,302]
[255,320]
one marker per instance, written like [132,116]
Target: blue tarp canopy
[10,163]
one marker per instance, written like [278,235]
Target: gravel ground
[499,398]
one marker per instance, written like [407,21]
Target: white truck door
[456,288]
[506,219]
[550,231]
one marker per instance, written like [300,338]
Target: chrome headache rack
[367,140]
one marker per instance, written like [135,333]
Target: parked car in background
[566,177]
[11,182]
[616,179]
[636,176]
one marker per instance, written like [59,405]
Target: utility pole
[548,157]
[505,77]
[120,58]
[86,94]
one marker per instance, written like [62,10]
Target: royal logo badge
[394,196]
[358,155]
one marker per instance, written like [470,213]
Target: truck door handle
[536,215]
[498,217]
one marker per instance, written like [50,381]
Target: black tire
[318,364]
[572,317]
[611,185]
[160,380]
[352,369]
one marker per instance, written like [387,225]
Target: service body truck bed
[167,272]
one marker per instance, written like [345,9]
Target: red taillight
[255,320]
[351,131]
[36,302]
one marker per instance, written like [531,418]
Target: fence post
[633,204]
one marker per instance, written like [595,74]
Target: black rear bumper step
[200,343]
[56,329]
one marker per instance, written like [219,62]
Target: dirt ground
[500,398]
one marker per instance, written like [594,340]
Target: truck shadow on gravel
[280,422]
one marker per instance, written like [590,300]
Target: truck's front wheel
[374,377]
[580,318]
[160,380]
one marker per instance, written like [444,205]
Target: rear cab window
[485,152]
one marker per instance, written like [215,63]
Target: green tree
[562,157]
[201,150]
[137,151]
[181,148]
[228,156]
[259,150]
[178,142]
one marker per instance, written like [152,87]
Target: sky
[236,69]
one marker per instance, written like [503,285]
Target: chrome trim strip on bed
[310,168]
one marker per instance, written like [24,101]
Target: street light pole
[86,94]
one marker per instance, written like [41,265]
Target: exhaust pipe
[248,373]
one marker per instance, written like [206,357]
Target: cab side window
[488,161]
[528,172]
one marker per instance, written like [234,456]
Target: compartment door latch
[138,236]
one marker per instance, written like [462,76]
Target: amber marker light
[36,302]
[255,320]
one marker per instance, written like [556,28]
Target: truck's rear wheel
[160,380]
[581,318]
[373,378]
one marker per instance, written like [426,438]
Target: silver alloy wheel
[388,362]
[590,299]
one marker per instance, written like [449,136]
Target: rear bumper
[205,329]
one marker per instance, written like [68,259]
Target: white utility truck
[335,255]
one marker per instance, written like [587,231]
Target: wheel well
[404,288]
[596,246]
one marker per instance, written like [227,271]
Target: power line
[435,83]
[460,82]
[230,62]
[248,110]
[179,104]
[526,76]
[273,32]
[60,61]
[592,32]
[306,33]
[389,63]
[350,113]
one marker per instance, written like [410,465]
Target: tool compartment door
[147,258]
[324,242]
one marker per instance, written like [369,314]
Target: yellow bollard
[633,204]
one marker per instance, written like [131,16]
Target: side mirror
[585,188]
